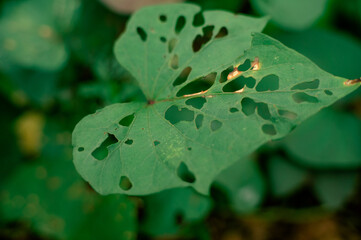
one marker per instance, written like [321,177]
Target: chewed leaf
[193,40]
[186,137]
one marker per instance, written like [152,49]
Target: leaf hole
[197,102]
[307,85]
[287,114]
[269,129]
[101,152]
[126,121]
[263,111]
[163,18]
[268,83]
[233,110]
[80,149]
[129,142]
[239,83]
[125,183]
[301,97]
[185,174]
[142,34]
[201,40]
[198,19]
[245,66]
[328,92]
[215,125]
[199,121]
[175,115]
[156,143]
[183,76]
[174,62]
[171,44]
[198,85]
[181,22]
[163,39]
[248,106]
[225,74]
[222,32]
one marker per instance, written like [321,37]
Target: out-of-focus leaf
[291,14]
[92,40]
[284,176]
[129,6]
[167,211]
[244,185]
[113,218]
[329,139]
[29,35]
[333,51]
[51,196]
[32,48]
[199,122]
[333,189]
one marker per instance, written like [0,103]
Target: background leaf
[333,189]
[284,176]
[329,139]
[291,14]
[42,48]
[50,196]
[167,211]
[244,185]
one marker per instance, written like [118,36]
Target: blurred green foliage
[57,63]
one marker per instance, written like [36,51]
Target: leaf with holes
[215,91]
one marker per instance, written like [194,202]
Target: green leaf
[184,135]
[291,14]
[30,36]
[334,188]
[329,139]
[244,185]
[284,176]
[167,211]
